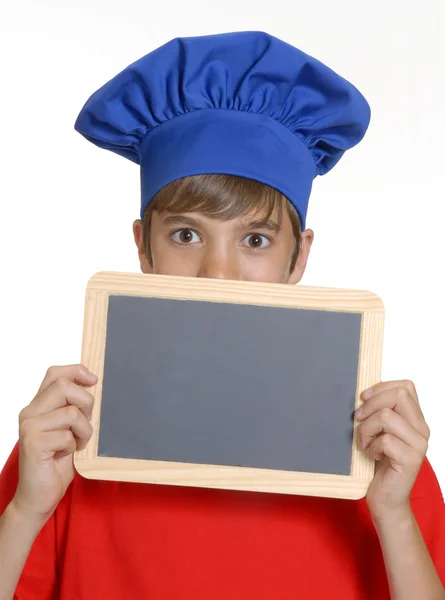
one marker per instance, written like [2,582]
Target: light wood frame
[104,284]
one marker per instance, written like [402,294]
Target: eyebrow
[267,224]
[181,219]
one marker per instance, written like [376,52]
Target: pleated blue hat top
[244,103]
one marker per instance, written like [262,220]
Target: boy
[230,131]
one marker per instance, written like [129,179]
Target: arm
[393,428]
[17,535]
[52,427]
[409,567]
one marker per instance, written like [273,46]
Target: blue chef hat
[243,103]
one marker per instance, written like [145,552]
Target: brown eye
[185,236]
[256,240]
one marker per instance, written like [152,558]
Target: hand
[51,428]
[394,429]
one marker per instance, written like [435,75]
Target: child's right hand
[53,426]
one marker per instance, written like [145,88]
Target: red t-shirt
[119,541]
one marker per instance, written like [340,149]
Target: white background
[67,207]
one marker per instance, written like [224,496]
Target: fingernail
[359,412]
[90,373]
[367,394]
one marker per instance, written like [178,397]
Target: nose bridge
[220,262]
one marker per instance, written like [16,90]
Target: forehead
[219,196]
[237,211]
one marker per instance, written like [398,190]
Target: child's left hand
[392,425]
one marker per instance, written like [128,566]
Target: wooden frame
[101,285]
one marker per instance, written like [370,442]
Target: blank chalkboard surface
[229,384]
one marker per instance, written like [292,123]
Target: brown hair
[221,196]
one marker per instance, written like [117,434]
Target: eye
[185,236]
[255,240]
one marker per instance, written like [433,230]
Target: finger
[400,400]
[60,442]
[388,421]
[384,386]
[76,373]
[400,455]
[60,393]
[68,417]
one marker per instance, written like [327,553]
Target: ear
[307,237]
[138,234]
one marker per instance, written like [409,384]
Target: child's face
[195,245]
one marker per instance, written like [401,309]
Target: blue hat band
[231,142]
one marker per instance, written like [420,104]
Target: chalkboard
[229,384]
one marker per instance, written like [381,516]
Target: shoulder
[427,485]
[428,505]
[9,477]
